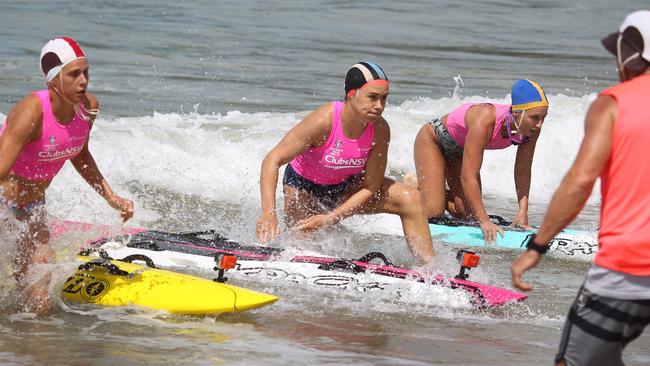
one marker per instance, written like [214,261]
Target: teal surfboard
[569,242]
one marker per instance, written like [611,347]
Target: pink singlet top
[42,159]
[458,130]
[339,157]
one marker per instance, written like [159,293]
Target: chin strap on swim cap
[79,108]
[84,113]
[521,119]
[514,135]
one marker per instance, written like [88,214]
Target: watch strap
[531,245]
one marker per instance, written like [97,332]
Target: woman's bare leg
[405,201]
[457,203]
[299,205]
[430,168]
[32,252]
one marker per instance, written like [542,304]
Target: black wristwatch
[531,245]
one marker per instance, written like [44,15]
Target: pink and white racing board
[192,251]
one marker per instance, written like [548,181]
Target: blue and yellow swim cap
[526,95]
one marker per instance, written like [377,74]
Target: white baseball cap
[634,38]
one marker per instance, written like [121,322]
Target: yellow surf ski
[116,283]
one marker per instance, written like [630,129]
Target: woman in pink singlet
[337,159]
[44,130]
[450,149]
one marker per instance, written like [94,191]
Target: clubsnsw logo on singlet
[335,161]
[53,151]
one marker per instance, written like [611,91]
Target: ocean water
[194,93]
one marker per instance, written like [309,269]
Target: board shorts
[450,148]
[598,328]
[329,195]
[26,212]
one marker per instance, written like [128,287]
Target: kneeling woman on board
[451,149]
[41,132]
[337,159]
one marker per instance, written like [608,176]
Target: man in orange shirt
[613,306]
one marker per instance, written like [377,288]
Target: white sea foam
[216,158]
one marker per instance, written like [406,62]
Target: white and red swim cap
[57,53]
